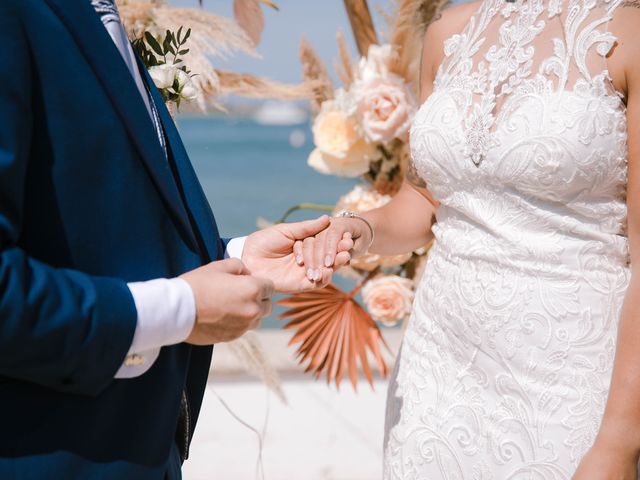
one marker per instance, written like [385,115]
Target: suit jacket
[88,202]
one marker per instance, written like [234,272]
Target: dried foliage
[250,17]
[344,66]
[411,19]
[314,71]
[250,353]
[335,332]
[250,86]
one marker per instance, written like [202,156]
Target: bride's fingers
[346,244]
[320,251]
[342,260]
[334,236]
[308,251]
[297,252]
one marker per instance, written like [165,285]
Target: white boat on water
[280,113]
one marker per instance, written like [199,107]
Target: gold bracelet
[350,214]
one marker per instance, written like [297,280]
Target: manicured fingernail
[299,259]
[318,275]
[311,274]
[328,261]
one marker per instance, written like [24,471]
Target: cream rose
[352,164]
[388,298]
[371,261]
[385,107]
[340,148]
[361,199]
[163,75]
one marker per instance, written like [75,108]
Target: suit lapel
[196,201]
[105,59]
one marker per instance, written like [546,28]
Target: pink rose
[385,107]
[389,298]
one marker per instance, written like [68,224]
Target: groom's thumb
[232,266]
[310,228]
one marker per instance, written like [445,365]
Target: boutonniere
[163,58]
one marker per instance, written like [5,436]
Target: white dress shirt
[166,315]
[166,307]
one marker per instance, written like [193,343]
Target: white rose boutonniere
[163,75]
[167,70]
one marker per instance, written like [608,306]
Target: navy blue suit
[88,202]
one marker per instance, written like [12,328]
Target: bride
[522,358]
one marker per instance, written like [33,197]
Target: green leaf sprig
[156,51]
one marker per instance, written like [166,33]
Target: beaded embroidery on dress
[505,365]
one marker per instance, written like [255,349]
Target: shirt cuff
[235,247]
[166,315]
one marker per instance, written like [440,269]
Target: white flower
[163,75]
[376,63]
[186,88]
[389,298]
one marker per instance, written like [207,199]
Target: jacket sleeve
[59,328]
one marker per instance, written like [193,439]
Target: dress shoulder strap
[588,23]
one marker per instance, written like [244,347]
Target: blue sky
[317,20]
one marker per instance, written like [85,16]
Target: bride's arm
[404,224]
[616,450]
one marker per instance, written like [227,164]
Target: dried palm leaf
[334,332]
[314,70]
[250,353]
[411,19]
[344,66]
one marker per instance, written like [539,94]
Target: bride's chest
[548,143]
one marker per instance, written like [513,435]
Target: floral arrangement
[361,129]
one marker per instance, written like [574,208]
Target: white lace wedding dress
[505,366]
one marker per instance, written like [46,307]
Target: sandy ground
[320,434]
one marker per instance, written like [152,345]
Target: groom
[112,283]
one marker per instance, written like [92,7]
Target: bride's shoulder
[450,21]
[623,58]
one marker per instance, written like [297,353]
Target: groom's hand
[270,254]
[229,301]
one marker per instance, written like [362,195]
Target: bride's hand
[607,463]
[345,238]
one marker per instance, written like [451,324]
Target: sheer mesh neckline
[509,51]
